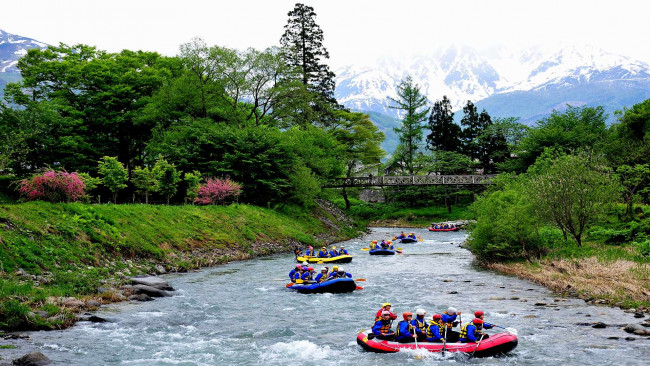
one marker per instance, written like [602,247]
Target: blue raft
[381,252]
[335,286]
[408,240]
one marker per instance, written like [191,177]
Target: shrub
[215,191]
[53,186]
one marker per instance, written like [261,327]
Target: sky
[355,31]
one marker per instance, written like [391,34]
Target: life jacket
[421,324]
[441,327]
[399,325]
[449,325]
[430,333]
[463,331]
[310,253]
[385,326]
[343,252]
[333,253]
[322,254]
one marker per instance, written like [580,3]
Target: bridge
[409,180]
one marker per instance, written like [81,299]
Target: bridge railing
[409,180]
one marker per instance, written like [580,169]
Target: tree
[114,175]
[472,129]
[572,192]
[145,181]
[361,140]
[215,191]
[302,45]
[632,178]
[167,177]
[53,186]
[492,145]
[445,134]
[193,181]
[411,101]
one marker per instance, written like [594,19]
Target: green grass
[78,245]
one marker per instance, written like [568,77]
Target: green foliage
[193,181]
[445,133]
[304,186]
[114,175]
[167,178]
[145,182]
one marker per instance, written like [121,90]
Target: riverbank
[57,260]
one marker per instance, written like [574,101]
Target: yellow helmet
[335,268]
[385,304]
[333,246]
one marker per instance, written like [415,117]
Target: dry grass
[620,282]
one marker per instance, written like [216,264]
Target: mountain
[12,48]
[527,83]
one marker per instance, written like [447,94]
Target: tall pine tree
[411,101]
[445,134]
[472,129]
[302,45]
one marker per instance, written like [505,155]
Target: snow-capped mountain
[12,48]
[534,80]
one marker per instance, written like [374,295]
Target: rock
[523,300]
[152,281]
[530,316]
[639,315]
[642,332]
[93,303]
[160,269]
[149,290]
[629,338]
[97,319]
[514,298]
[32,359]
[497,298]
[540,304]
[73,303]
[613,338]
[632,328]
[141,297]
[447,280]
[42,314]
[452,292]
[599,325]
[502,287]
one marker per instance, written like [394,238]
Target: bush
[215,191]
[53,186]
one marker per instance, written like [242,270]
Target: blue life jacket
[307,276]
[334,253]
[320,276]
[343,252]
[323,254]
[310,253]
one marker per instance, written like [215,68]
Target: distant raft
[340,259]
[408,240]
[452,229]
[497,344]
[335,286]
[381,252]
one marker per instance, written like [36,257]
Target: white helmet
[340,270]
[323,269]
[305,263]
[420,311]
[451,311]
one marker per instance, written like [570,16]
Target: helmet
[388,242]
[342,247]
[406,314]
[305,263]
[333,246]
[341,270]
[298,266]
[451,311]
[323,248]
[420,311]
[385,304]
[385,313]
[374,241]
[477,321]
[310,247]
[304,268]
[437,316]
[478,314]
[323,269]
[310,268]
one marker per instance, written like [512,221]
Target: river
[241,313]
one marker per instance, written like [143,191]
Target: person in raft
[449,318]
[385,307]
[342,251]
[435,329]
[322,276]
[404,332]
[333,252]
[339,273]
[420,324]
[382,326]
[297,252]
[298,274]
[401,235]
[383,244]
[373,245]
[323,253]
[310,252]
[308,275]
[471,332]
[480,315]
[292,274]
[412,236]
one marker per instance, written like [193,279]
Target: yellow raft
[339,259]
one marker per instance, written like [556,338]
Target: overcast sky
[355,30]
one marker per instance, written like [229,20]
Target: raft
[381,252]
[452,229]
[335,286]
[497,344]
[408,240]
[340,259]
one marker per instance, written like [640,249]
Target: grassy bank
[612,267]
[49,252]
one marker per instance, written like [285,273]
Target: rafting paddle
[360,279]
[478,344]
[512,331]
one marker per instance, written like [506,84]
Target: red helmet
[478,314]
[437,316]
[406,314]
[310,268]
[477,321]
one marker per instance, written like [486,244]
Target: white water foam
[303,350]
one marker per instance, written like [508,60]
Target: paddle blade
[365,248]
[359,279]
[420,239]
[359,288]
[512,331]
[399,249]
[289,284]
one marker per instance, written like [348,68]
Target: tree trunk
[115,197]
[168,200]
[146,198]
[345,198]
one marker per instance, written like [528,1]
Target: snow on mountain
[462,73]
[12,48]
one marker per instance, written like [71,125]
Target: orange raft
[497,344]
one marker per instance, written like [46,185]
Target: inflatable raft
[381,252]
[408,240]
[335,286]
[497,344]
[452,229]
[339,259]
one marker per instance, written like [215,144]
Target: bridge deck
[409,180]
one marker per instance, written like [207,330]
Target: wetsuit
[450,322]
[310,252]
[343,252]
[337,275]
[334,253]
[307,276]
[323,254]
[421,326]
[382,326]
[321,277]
[433,333]
[292,275]
[404,332]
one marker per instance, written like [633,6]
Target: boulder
[149,290]
[73,303]
[634,328]
[141,297]
[599,325]
[32,359]
[152,281]
[93,303]
[639,315]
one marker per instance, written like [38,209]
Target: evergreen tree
[445,134]
[471,131]
[491,143]
[411,101]
[302,47]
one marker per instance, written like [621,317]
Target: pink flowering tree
[53,187]
[215,191]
